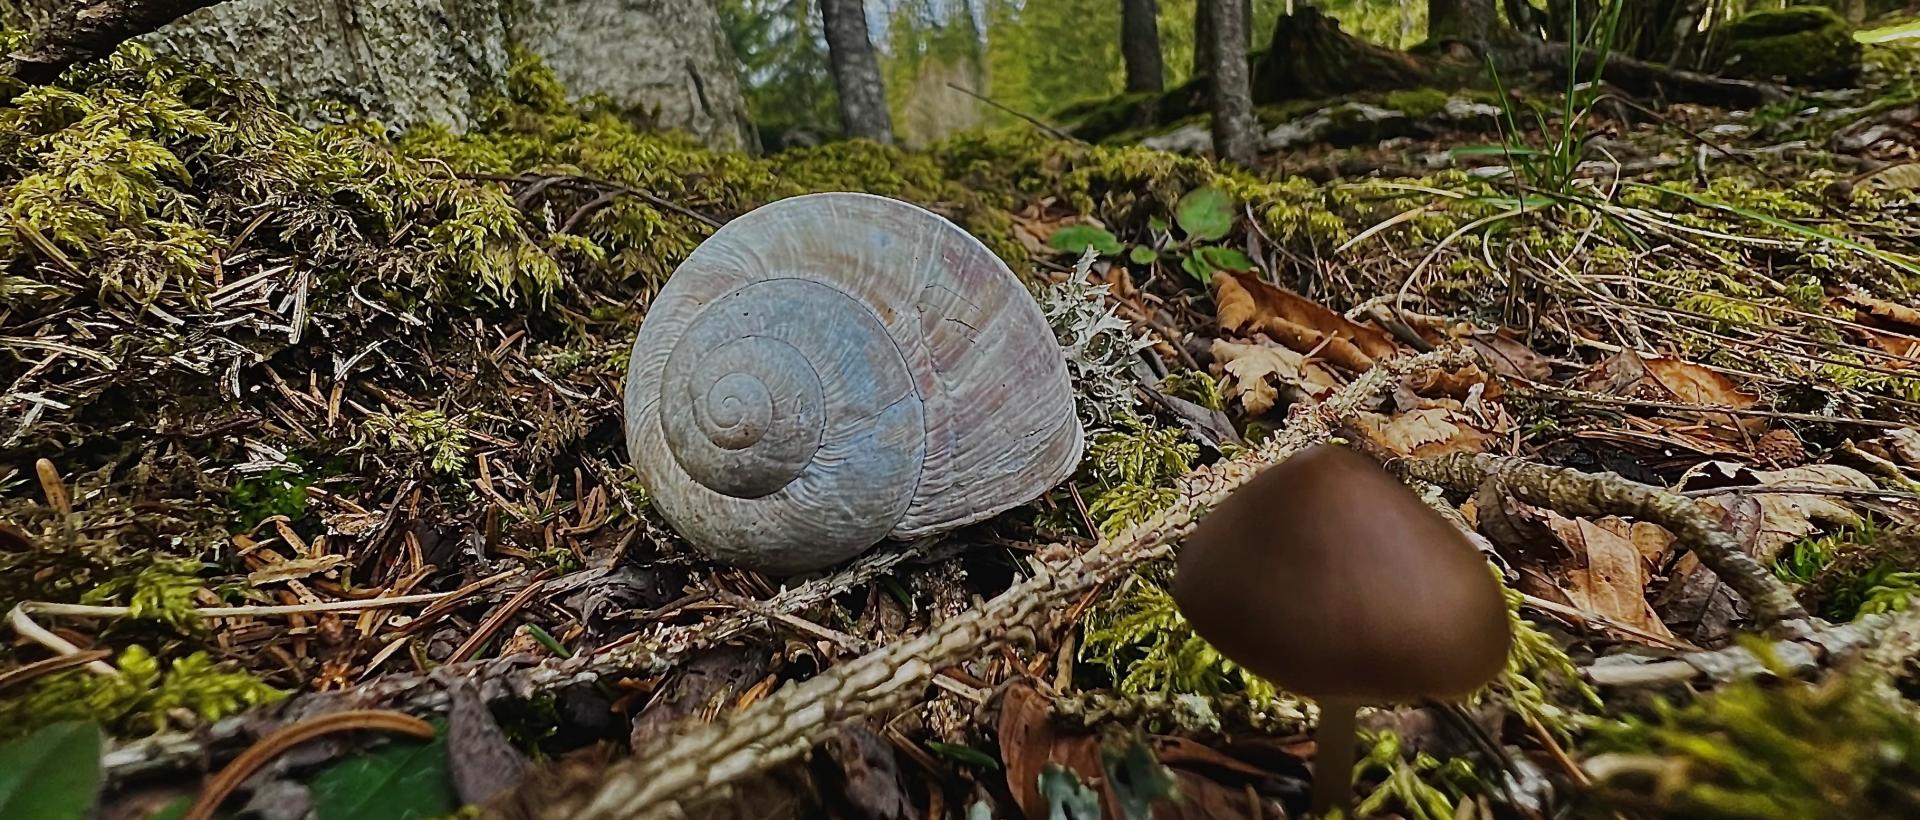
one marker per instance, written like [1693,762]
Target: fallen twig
[1819,647]
[1571,492]
[271,746]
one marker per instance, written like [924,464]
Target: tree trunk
[1140,44]
[856,72]
[1462,20]
[405,63]
[1309,57]
[1233,132]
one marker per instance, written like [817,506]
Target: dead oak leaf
[1668,379]
[1607,573]
[1245,304]
[1258,373]
[1772,514]
[1423,433]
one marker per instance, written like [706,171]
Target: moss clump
[1845,748]
[1418,103]
[1800,45]
[139,698]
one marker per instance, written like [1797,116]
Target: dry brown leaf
[1667,379]
[1258,373]
[293,570]
[1904,444]
[1902,177]
[1892,327]
[1607,575]
[1507,355]
[1465,383]
[1246,304]
[1772,520]
[1431,431]
[1651,540]
[1029,741]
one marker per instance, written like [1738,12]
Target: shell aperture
[834,369]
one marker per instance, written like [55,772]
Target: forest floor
[313,494]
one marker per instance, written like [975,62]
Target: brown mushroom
[1331,579]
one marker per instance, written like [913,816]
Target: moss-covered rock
[1799,45]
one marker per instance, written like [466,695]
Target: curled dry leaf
[1246,305]
[1258,374]
[1439,412]
[1890,326]
[1667,379]
[1779,516]
[1432,431]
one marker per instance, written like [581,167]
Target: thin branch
[1031,119]
[1571,492]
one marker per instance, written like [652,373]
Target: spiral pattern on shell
[834,369]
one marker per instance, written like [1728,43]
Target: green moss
[139,698]
[1761,751]
[1802,45]
[1418,103]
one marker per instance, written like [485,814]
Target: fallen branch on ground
[1573,493]
[1891,637]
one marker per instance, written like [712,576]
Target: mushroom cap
[1330,578]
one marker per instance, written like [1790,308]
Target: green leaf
[1220,258]
[52,774]
[1197,268]
[1142,255]
[1158,224]
[1066,798]
[1075,239]
[1205,213]
[964,754]
[1138,778]
[1494,151]
[405,780]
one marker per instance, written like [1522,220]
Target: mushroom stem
[1333,756]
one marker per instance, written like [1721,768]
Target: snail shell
[834,369]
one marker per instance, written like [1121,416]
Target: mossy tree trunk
[1233,125]
[856,72]
[1140,45]
[79,31]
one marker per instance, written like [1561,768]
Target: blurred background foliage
[1034,56]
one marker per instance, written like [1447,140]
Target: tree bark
[856,72]
[1310,57]
[1469,20]
[1140,45]
[82,31]
[1233,132]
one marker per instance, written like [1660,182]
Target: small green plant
[1552,165]
[1132,470]
[1203,217]
[1408,783]
[276,492]
[430,432]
